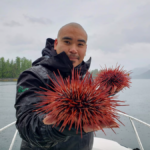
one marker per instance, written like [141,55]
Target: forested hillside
[13,68]
[94,72]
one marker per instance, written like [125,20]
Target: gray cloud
[130,55]
[38,20]
[19,39]
[12,24]
[113,30]
[118,31]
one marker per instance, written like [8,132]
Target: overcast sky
[118,30]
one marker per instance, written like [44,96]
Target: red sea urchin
[113,80]
[78,102]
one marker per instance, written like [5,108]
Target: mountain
[145,75]
[139,71]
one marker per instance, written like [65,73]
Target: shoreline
[8,79]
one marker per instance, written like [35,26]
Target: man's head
[72,40]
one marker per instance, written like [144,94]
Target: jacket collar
[59,61]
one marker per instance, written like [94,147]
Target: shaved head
[72,39]
[72,25]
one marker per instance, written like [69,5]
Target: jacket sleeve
[29,123]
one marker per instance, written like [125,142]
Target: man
[36,130]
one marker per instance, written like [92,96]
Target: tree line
[13,68]
[94,72]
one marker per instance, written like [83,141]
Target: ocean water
[138,98]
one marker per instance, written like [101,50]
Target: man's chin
[74,63]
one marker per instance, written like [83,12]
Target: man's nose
[73,49]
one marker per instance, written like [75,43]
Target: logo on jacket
[20,89]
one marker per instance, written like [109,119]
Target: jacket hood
[50,59]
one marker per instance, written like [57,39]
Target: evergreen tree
[94,72]
[7,69]
[17,66]
[12,69]
[2,67]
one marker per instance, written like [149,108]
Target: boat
[99,143]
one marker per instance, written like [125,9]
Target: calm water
[138,98]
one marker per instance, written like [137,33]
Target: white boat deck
[99,143]
[104,144]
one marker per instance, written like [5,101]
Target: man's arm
[30,124]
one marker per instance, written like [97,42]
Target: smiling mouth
[72,58]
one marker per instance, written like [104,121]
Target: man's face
[72,41]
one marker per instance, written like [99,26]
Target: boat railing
[14,137]
[130,117]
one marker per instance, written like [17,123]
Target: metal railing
[130,117]
[14,137]
[137,135]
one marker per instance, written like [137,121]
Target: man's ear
[55,44]
[86,50]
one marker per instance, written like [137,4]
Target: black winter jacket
[35,135]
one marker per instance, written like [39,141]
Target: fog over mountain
[145,75]
[118,30]
[137,73]
[140,71]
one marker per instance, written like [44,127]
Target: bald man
[36,131]
[72,40]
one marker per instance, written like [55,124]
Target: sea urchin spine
[113,80]
[78,102]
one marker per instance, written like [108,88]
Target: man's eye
[80,44]
[67,42]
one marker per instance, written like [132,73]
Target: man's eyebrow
[82,41]
[68,38]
